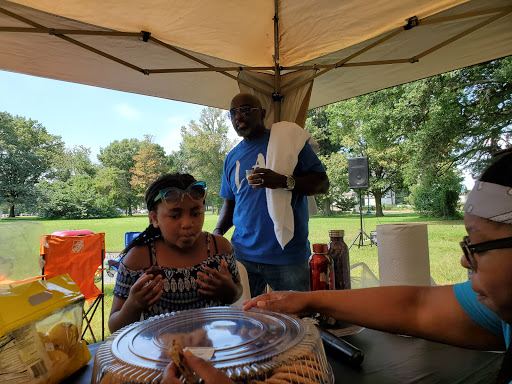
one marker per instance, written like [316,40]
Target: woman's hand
[296,303]
[203,369]
[146,291]
[218,284]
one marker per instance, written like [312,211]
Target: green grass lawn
[443,237]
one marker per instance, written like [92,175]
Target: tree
[72,162]
[336,169]
[26,154]
[150,163]
[175,162]
[419,135]
[438,196]
[318,124]
[373,126]
[76,198]
[203,149]
[487,109]
[467,116]
[110,181]
[119,158]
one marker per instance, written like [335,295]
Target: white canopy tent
[295,54]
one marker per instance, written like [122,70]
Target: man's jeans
[294,277]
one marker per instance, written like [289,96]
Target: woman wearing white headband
[481,307]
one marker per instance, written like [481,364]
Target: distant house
[369,200]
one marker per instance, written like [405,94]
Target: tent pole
[276,96]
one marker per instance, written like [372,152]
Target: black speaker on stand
[359,178]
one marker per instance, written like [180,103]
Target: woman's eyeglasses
[246,111]
[172,196]
[470,249]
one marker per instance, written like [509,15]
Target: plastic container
[246,345]
[40,331]
[321,271]
[338,251]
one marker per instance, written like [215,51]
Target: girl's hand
[218,284]
[146,291]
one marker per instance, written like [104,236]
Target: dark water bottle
[338,251]
[321,271]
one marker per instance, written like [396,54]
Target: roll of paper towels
[403,254]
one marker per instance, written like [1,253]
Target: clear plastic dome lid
[243,344]
[234,335]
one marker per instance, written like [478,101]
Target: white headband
[490,201]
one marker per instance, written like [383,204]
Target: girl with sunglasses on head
[476,314]
[174,265]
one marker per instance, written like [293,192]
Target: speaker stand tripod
[362,236]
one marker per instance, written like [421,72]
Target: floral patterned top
[180,287]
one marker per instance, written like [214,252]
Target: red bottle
[338,250]
[321,271]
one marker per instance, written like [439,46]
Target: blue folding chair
[129,236]
[113,264]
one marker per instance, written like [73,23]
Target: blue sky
[94,117]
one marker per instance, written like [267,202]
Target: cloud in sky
[127,111]
[172,139]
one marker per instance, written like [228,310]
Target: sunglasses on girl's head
[469,249]
[173,196]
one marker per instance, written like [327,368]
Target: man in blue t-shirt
[282,264]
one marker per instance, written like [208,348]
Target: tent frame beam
[211,67]
[502,13]
[277,97]
[278,93]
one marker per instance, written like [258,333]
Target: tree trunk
[326,205]
[11,210]
[378,204]
[130,210]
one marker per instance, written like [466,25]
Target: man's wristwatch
[290,183]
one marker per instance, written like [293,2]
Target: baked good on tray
[176,353]
[250,347]
[155,270]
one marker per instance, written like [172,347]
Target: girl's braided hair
[177,180]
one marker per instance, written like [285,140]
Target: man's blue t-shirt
[479,313]
[254,238]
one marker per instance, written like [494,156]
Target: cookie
[176,353]
[155,270]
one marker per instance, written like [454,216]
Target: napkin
[286,141]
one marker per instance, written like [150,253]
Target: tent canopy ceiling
[196,50]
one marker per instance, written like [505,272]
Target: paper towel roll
[403,254]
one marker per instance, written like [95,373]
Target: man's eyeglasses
[246,111]
[470,249]
[173,196]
